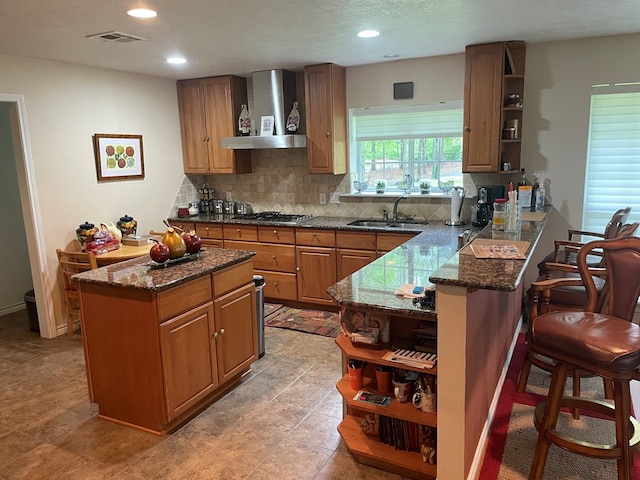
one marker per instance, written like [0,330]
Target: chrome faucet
[395,208]
[385,215]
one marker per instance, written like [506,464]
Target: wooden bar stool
[605,345]
[70,264]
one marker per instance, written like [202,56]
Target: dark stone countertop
[432,256]
[140,273]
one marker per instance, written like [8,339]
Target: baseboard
[12,309]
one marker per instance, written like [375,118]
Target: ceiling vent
[117,37]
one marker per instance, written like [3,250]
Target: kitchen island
[162,342]
[477,318]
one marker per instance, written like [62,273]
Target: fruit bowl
[187,257]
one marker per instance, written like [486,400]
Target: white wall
[15,275]
[65,106]
[557,97]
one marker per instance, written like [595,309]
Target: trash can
[258,281]
[32,311]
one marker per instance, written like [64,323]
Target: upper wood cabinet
[326,118]
[492,72]
[209,109]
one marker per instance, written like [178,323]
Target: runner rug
[513,437]
[317,322]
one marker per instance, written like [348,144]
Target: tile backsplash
[280,181]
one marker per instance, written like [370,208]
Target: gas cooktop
[274,217]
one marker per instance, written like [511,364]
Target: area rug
[270,308]
[513,437]
[317,322]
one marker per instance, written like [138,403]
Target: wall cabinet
[209,109]
[492,72]
[326,118]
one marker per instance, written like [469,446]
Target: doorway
[28,192]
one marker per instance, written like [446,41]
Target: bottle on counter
[497,222]
[540,200]
[534,191]
[523,178]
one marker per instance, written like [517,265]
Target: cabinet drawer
[186,226]
[357,240]
[282,286]
[281,258]
[212,243]
[240,232]
[389,241]
[315,237]
[209,230]
[277,235]
[232,277]
[183,297]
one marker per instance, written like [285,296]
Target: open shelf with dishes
[398,437]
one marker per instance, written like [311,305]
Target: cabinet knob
[238,230]
[215,334]
[467,128]
[273,256]
[221,331]
[275,284]
[297,269]
[275,232]
[204,139]
[328,134]
[313,235]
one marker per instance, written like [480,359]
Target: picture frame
[266,125]
[118,157]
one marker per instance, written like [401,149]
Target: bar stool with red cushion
[605,345]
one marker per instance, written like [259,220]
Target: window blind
[613,155]
[421,121]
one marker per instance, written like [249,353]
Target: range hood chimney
[274,92]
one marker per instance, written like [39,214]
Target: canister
[497,222]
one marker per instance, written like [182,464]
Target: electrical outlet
[323,199]
[335,198]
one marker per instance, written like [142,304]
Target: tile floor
[280,423]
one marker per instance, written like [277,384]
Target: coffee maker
[486,196]
[483,210]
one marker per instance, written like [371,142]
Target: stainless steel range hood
[274,92]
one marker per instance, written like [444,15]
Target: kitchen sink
[405,225]
[369,223]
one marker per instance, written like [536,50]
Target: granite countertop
[140,273]
[432,256]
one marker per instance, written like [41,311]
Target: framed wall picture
[118,157]
[266,125]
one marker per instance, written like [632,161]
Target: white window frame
[612,174]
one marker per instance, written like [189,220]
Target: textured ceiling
[238,37]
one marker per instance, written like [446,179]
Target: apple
[192,241]
[159,252]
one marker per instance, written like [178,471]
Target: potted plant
[425,187]
[381,185]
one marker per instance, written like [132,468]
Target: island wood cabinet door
[326,118]
[209,109]
[235,332]
[316,273]
[188,358]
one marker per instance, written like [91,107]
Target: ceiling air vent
[117,37]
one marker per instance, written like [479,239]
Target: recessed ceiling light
[391,55]
[368,33]
[142,13]
[176,60]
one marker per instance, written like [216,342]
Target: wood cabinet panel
[350,261]
[248,233]
[278,258]
[209,230]
[357,240]
[188,359]
[183,297]
[326,118]
[193,126]
[235,331]
[277,235]
[388,241]
[316,272]
[231,278]
[280,286]
[315,237]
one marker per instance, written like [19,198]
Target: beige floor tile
[14,444]
[316,430]
[291,462]
[38,463]
[54,423]
[342,466]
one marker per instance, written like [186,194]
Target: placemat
[489,248]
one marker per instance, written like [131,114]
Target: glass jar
[497,222]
